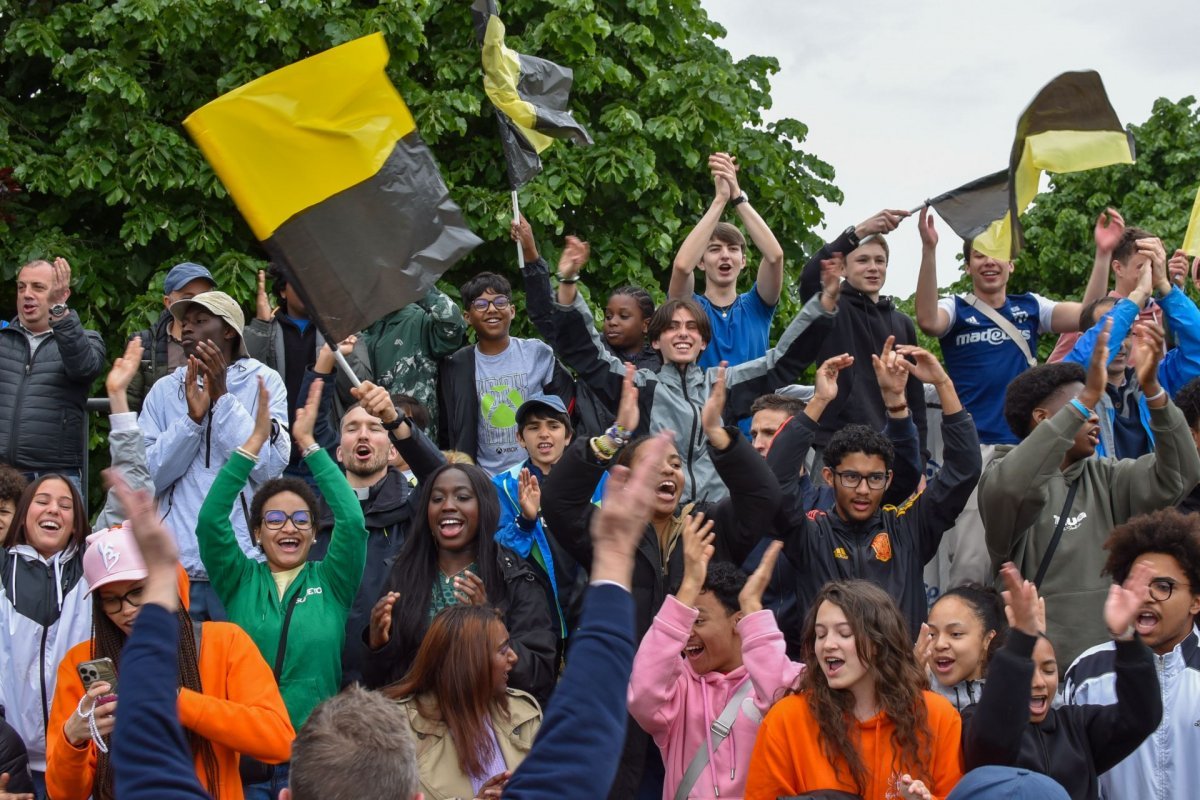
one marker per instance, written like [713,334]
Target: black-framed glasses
[114,604]
[851,479]
[1161,589]
[274,520]
[500,302]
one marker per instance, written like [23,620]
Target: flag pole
[517,218]
[345,365]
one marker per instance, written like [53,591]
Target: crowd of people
[633,560]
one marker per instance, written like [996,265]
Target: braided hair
[108,640]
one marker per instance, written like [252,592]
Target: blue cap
[551,401]
[1007,783]
[183,274]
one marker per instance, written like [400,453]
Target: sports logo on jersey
[1072,523]
[840,552]
[987,336]
[973,320]
[881,546]
[1019,314]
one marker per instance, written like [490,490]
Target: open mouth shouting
[693,650]
[834,666]
[289,545]
[1146,622]
[943,665]
[1039,704]
[451,527]
[666,491]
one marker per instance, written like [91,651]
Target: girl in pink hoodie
[707,641]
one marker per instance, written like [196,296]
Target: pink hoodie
[677,707]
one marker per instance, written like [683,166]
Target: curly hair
[858,439]
[276,486]
[1168,531]
[1188,401]
[883,645]
[1033,387]
[725,582]
[988,607]
[108,641]
[12,484]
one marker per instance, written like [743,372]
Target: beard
[377,463]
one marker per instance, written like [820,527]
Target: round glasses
[851,479]
[113,605]
[1161,589]
[500,302]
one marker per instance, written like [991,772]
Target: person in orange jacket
[861,719]
[229,703]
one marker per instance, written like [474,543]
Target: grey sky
[907,100]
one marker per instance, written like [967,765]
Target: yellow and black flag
[1191,240]
[530,96]
[324,161]
[1069,127]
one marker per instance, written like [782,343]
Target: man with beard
[373,432]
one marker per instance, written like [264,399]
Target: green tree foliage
[93,94]
[1156,193]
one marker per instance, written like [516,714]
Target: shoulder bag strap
[1058,531]
[1002,323]
[720,729]
[283,634]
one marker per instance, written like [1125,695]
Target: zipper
[208,440]
[42,675]
[29,357]
[691,439]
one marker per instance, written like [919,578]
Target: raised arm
[82,351]
[933,320]
[883,222]
[172,441]
[1110,226]
[688,258]
[768,281]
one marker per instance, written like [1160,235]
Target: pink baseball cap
[112,555]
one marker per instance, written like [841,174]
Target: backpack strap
[1003,323]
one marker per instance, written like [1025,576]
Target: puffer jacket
[43,395]
[184,457]
[44,612]
[672,398]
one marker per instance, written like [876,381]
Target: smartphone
[97,670]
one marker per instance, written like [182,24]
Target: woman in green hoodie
[294,610]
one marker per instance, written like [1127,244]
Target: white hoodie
[184,457]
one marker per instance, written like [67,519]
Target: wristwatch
[741,198]
[852,235]
[58,310]
[396,423]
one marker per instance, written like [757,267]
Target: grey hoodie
[1021,496]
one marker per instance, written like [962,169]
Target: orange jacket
[240,711]
[788,759]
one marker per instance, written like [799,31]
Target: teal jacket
[323,590]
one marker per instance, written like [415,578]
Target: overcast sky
[907,100]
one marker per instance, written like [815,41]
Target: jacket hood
[854,296]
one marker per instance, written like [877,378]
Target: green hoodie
[1022,493]
[323,590]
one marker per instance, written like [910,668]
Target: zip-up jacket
[860,329]
[43,394]
[1179,365]
[43,613]
[561,574]
[239,712]
[892,547]
[526,615]
[156,358]
[677,707]
[1165,765]
[323,591]
[1021,496]
[389,508]
[458,400]
[673,397]
[1074,743]
[184,456]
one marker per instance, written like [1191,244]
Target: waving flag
[1069,127]
[1191,241]
[530,96]
[324,161]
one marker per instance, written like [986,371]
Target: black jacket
[43,396]
[156,358]
[860,329]
[458,400]
[890,549]
[1073,744]
[14,760]
[526,615]
[389,509]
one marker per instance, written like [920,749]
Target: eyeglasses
[274,520]
[500,302]
[113,605]
[1161,589]
[851,480]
